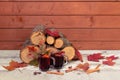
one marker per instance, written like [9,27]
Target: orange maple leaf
[14,64]
[9,68]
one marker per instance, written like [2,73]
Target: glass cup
[58,60]
[44,62]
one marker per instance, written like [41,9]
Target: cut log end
[69,52]
[59,43]
[37,38]
[50,40]
[26,55]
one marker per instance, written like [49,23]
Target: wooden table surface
[106,72]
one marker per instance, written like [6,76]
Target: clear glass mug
[59,60]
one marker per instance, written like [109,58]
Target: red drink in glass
[44,62]
[58,60]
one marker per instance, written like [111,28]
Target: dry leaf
[52,32]
[85,66]
[111,57]
[95,57]
[9,68]
[109,62]
[79,55]
[13,65]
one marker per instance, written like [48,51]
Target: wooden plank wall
[89,24]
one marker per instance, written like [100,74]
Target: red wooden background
[89,24]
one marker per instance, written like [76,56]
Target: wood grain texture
[58,0]
[79,45]
[106,22]
[60,8]
[60,21]
[50,21]
[97,45]
[11,45]
[42,8]
[77,34]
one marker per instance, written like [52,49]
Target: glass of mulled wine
[44,62]
[58,60]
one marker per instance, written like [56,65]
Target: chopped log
[59,43]
[37,38]
[29,53]
[62,42]
[50,40]
[69,52]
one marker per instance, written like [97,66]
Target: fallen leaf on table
[111,57]
[109,62]
[83,67]
[95,57]
[9,68]
[14,64]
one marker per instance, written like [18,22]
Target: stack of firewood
[45,39]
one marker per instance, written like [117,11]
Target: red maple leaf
[52,32]
[109,62]
[79,55]
[95,57]
[111,57]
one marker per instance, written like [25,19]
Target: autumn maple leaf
[95,57]
[14,64]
